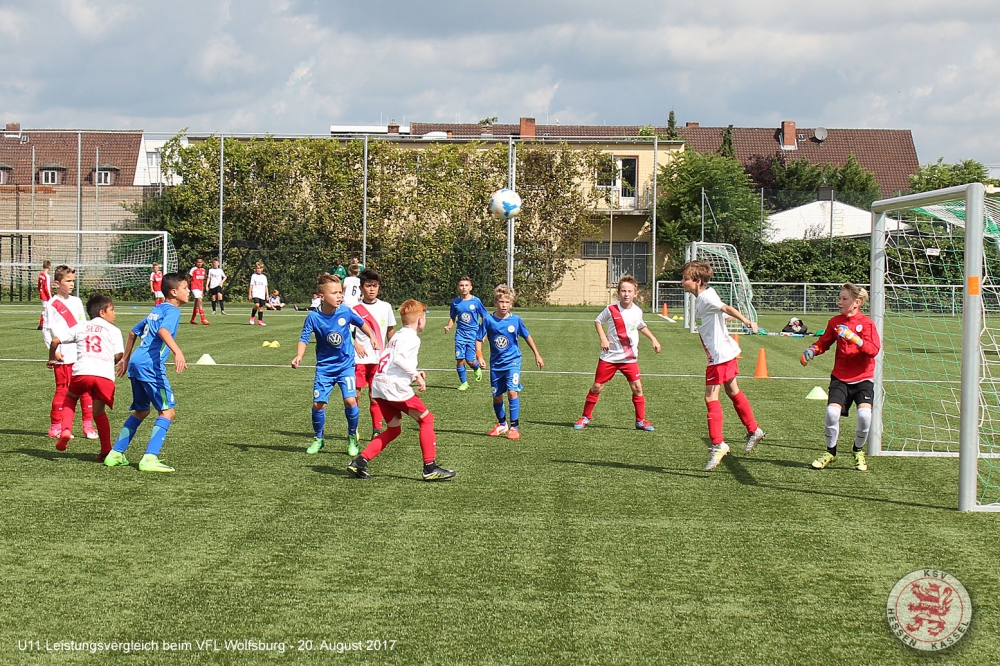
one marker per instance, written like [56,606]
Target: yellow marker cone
[275,344]
[817,394]
[266,344]
[205,360]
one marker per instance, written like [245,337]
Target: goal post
[729,279]
[936,379]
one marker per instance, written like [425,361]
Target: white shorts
[196,293]
[158,294]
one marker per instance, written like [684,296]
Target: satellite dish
[820,133]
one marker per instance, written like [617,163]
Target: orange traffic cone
[664,311]
[761,365]
[736,336]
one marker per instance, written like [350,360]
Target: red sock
[41,320]
[745,412]
[104,430]
[640,407]
[87,407]
[590,403]
[376,413]
[428,440]
[68,412]
[715,422]
[376,446]
[55,415]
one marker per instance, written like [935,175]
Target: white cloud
[93,18]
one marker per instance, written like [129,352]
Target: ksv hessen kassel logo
[929,610]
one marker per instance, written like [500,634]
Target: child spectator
[274,300]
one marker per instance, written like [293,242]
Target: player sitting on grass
[378,314]
[618,327]
[722,351]
[98,349]
[853,372]
[62,313]
[334,359]
[465,314]
[257,292]
[197,285]
[274,301]
[397,369]
[502,329]
[147,370]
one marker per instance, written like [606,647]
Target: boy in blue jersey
[466,311]
[502,330]
[331,323]
[147,369]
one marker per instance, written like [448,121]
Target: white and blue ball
[505,204]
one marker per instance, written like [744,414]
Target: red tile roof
[119,149]
[889,154]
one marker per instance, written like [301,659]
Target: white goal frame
[740,289]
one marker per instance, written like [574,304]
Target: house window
[4,177]
[50,177]
[626,258]
[102,178]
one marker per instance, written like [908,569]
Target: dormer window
[49,177]
[102,178]
[5,171]
[105,174]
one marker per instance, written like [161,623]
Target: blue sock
[473,364]
[462,377]
[126,434]
[498,410]
[159,434]
[352,414]
[515,408]
[319,421]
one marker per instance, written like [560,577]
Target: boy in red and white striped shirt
[618,326]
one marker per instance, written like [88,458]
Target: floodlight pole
[653,279]
[222,186]
[364,210]
[511,184]
[79,204]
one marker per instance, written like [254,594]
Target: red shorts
[605,371]
[721,373]
[99,388]
[64,374]
[363,374]
[392,410]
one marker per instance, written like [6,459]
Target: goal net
[729,280]
[111,261]
[936,303]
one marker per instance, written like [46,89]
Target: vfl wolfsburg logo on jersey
[501,342]
[466,317]
[335,339]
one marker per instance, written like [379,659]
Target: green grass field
[603,546]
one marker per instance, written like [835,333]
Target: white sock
[832,425]
[864,424]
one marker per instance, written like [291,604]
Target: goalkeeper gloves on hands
[808,355]
[849,335]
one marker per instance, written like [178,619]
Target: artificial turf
[601,546]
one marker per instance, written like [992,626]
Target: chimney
[788,139]
[690,124]
[13,129]
[393,127]
[527,128]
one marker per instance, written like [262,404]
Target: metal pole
[877,278]
[97,188]
[222,186]
[364,210]
[968,439]
[166,239]
[79,204]
[653,276]
[702,216]
[34,177]
[511,185]
[761,241]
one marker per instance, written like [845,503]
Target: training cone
[275,344]
[266,344]
[761,365]
[817,394]
[205,360]
[664,311]
[736,336]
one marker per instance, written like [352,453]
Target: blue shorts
[465,350]
[158,394]
[506,380]
[323,386]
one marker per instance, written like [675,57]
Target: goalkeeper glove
[849,335]
[808,355]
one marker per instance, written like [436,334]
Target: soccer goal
[729,280]
[935,300]
[104,260]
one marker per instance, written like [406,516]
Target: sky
[298,66]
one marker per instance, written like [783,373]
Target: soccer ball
[505,204]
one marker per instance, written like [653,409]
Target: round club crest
[858,328]
[335,338]
[501,342]
[341,321]
[929,610]
[510,329]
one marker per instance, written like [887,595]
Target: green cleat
[315,446]
[823,460]
[352,446]
[464,386]
[478,373]
[860,463]
[114,459]
[151,463]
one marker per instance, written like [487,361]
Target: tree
[727,149]
[855,185]
[672,127]
[796,182]
[936,175]
[489,121]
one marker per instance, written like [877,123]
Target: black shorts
[215,290]
[260,303]
[844,394]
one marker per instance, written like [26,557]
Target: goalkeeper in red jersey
[853,371]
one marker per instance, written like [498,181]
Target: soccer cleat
[315,446]
[439,474]
[376,432]
[89,432]
[223,313]
[498,430]
[860,463]
[753,439]
[478,374]
[206,322]
[55,430]
[352,445]
[63,440]
[261,323]
[251,321]
[581,423]
[644,425]
[151,463]
[357,469]
[100,457]
[716,453]
[823,460]
[514,433]
[464,386]
[115,459]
